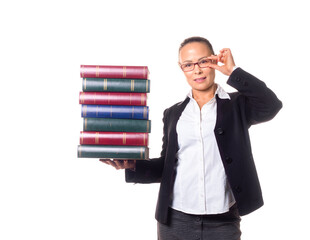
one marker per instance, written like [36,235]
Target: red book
[96,71]
[114,138]
[113,98]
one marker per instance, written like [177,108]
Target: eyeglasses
[203,63]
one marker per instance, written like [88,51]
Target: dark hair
[196,39]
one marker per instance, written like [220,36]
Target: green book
[116,85]
[115,152]
[116,125]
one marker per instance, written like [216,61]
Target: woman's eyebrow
[198,59]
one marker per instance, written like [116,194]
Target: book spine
[116,152]
[114,138]
[97,71]
[115,111]
[113,98]
[116,125]
[115,85]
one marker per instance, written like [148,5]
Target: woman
[206,169]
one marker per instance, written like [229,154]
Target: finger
[224,53]
[106,161]
[113,164]
[213,57]
[221,58]
[129,163]
[119,164]
[126,163]
[225,50]
[214,66]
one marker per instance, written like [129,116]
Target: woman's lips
[199,80]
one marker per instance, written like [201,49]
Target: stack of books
[115,113]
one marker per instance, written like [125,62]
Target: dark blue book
[115,111]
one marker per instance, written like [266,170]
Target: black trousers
[182,226]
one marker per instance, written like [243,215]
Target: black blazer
[252,104]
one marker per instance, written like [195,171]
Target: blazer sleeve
[261,104]
[150,171]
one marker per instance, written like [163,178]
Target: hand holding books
[120,164]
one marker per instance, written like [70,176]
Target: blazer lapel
[173,119]
[223,106]
[175,115]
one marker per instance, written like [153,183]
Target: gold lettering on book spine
[141,153]
[133,111]
[97,111]
[97,71]
[81,137]
[84,110]
[147,86]
[105,84]
[82,97]
[142,99]
[144,138]
[124,138]
[97,138]
[147,126]
[145,112]
[124,72]
[85,123]
[84,84]
[132,85]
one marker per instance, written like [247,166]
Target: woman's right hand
[120,164]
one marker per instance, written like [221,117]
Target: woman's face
[200,79]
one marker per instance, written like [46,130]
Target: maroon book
[114,138]
[104,71]
[113,98]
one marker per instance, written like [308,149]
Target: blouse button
[220,131]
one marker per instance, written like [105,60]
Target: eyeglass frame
[195,63]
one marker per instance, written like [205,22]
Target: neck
[202,97]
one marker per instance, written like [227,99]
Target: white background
[49,193]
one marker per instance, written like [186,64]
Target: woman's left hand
[225,57]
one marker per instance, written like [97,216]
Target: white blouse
[201,185]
